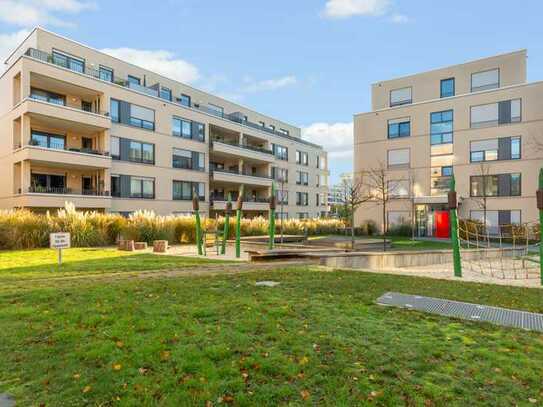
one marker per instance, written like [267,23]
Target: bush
[23,229]
[403,229]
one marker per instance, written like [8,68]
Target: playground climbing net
[506,251]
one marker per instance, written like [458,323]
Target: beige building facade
[481,121]
[84,127]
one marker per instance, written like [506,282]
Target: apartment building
[481,121]
[81,126]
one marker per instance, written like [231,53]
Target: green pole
[238,223]
[226,231]
[540,207]
[271,220]
[454,229]
[196,208]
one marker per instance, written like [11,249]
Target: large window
[398,188]
[142,117]
[216,110]
[105,74]
[495,219]
[184,100]
[134,80]
[47,140]
[115,110]
[302,198]
[399,127]
[495,185]
[186,159]
[280,152]
[493,114]
[165,93]
[398,158]
[141,152]
[396,218]
[400,96]
[141,187]
[115,147]
[446,88]
[187,129]
[48,183]
[485,80]
[503,148]
[280,174]
[183,190]
[302,158]
[281,196]
[69,61]
[46,96]
[441,127]
[302,178]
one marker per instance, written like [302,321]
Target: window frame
[498,195]
[441,82]
[442,133]
[484,86]
[102,68]
[406,102]
[398,125]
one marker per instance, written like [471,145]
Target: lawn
[38,263]
[317,338]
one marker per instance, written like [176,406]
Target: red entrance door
[441,220]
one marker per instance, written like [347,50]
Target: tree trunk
[384,226]
[352,228]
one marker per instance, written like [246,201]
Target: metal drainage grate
[464,310]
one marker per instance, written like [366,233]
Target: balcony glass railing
[245,146]
[221,198]
[38,189]
[54,145]
[237,172]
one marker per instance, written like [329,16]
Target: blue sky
[308,62]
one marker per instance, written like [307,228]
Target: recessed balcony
[237,177]
[249,152]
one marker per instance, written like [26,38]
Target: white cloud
[253,86]
[160,61]
[336,138]
[348,8]
[374,8]
[399,19]
[27,13]
[8,42]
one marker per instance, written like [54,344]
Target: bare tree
[353,196]
[482,196]
[380,190]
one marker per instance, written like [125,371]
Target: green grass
[317,338]
[405,243]
[38,263]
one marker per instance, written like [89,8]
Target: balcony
[230,148]
[66,191]
[81,120]
[218,203]
[237,177]
[36,197]
[79,157]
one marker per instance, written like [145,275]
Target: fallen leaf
[143,370]
[77,376]
[117,366]
[119,344]
[86,389]
[305,394]
[165,355]
[304,360]
[533,401]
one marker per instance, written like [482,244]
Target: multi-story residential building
[480,121]
[82,126]
[337,192]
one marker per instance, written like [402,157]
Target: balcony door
[86,185]
[48,183]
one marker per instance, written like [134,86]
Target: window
[447,171]
[441,127]
[503,148]
[48,183]
[184,100]
[187,129]
[141,187]
[398,157]
[186,159]
[115,110]
[447,88]
[261,123]
[493,114]
[321,162]
[200,131]
[395,218]
[302,198]
[105,74]
[165,93]
[115,147]
[47,140]
[183,190]
[302,158]
[302,178]
[485,80]
[86,106]
[280,152]
[285,132]
[281,197]
[142,117]
[400,96]
[134,80]
[116,185]
[495,219]
[279,174]
[46,96]
[141,152]
[271,127]
[303,215]
[399,127]
[495,185]
[398,188]
[216,110]
[68,61]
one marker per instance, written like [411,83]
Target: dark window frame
[192,185]
[441,94]
[498,195]
[441,134]
[398,125]
[49,136]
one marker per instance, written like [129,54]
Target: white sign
[59,240]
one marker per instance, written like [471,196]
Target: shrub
[403,229]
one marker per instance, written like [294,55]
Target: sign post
[59,241]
